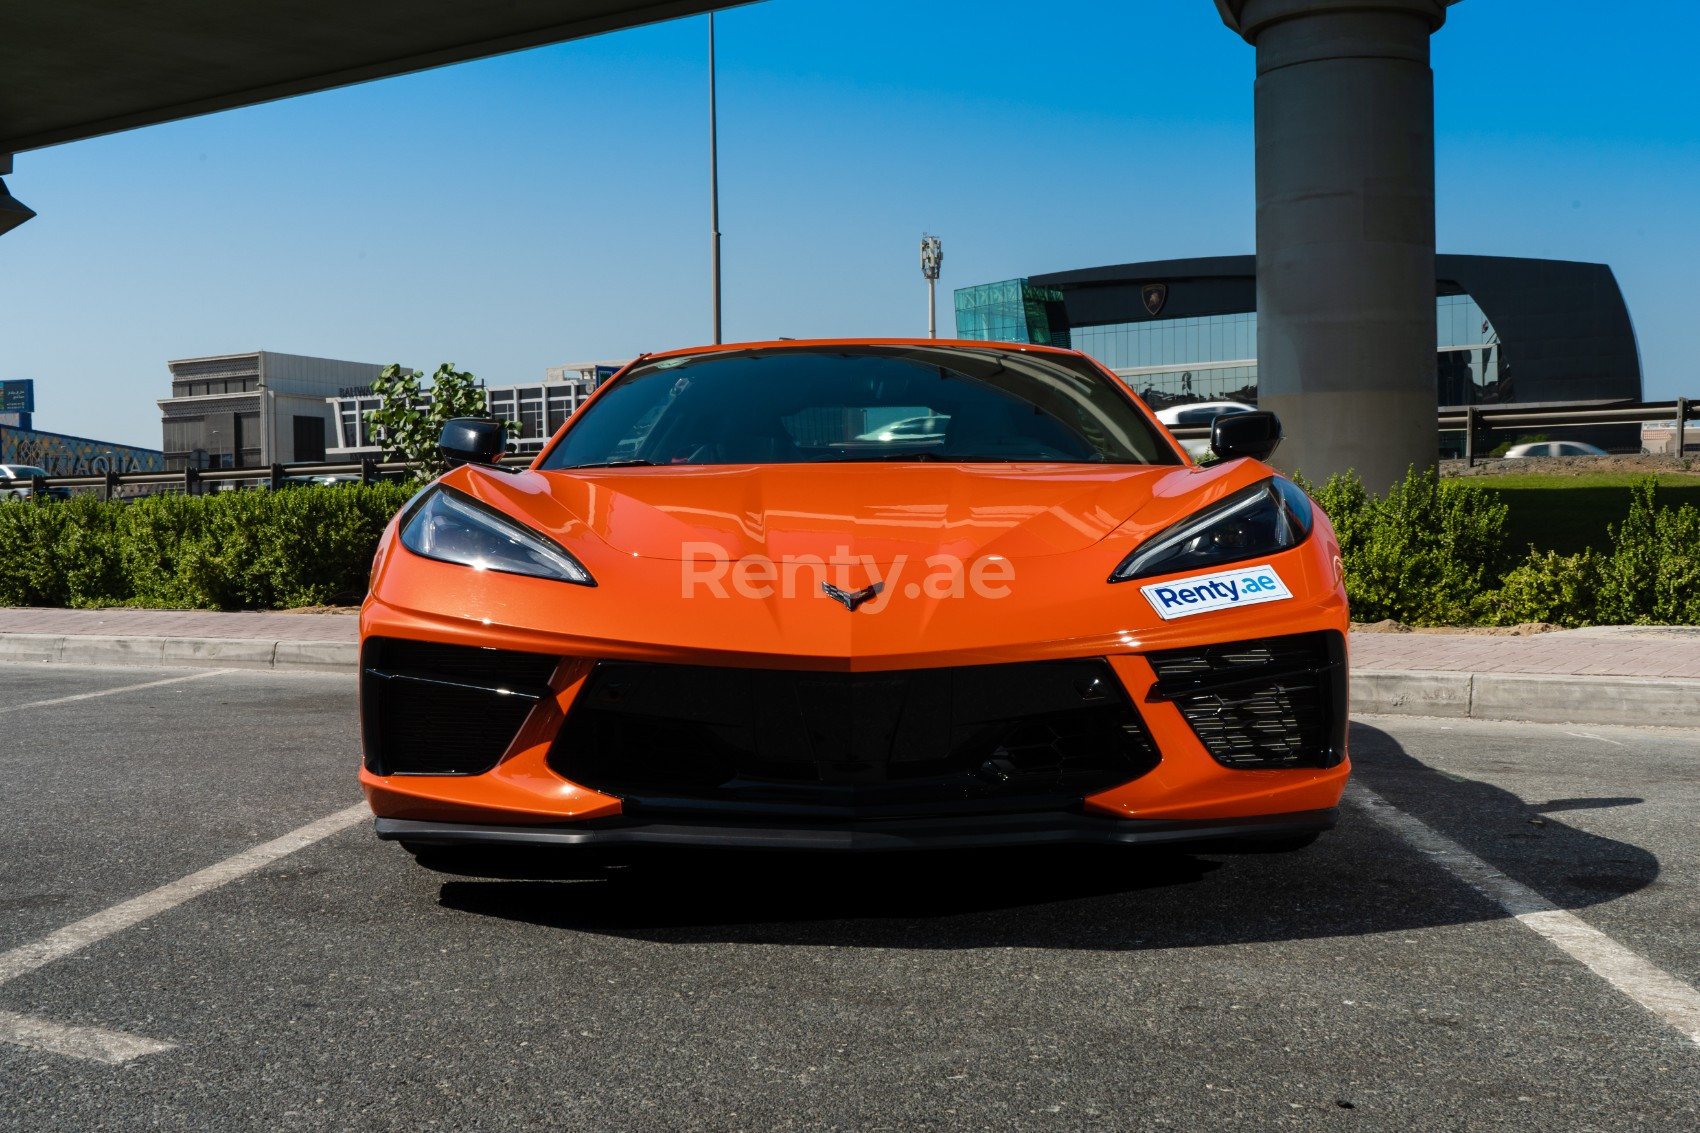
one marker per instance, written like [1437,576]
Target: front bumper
[507,779]
[889,834]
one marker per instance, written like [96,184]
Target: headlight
[1271,515]
[452,527]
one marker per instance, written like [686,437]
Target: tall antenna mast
[932,256]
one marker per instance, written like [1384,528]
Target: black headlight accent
[1271,515]
[473,534]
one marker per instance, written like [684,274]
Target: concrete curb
[1666,702]
[173,652]
[1540,698]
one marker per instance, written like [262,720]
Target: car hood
[867,512]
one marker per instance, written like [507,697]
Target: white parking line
[111,691]
[93,1043]
[42,1034]
[1629,972]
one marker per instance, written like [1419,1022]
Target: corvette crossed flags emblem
[851,598]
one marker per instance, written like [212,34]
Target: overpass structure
[72,69]
[1344,125]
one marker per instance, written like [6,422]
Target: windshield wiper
[929,456]
[871,457]
[635,462]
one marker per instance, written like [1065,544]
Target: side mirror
[472,440]
[1256,435]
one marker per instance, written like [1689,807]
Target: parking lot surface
[1361,983]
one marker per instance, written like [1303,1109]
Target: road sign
[17,396]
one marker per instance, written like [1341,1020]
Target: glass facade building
[1506,330]
[1012,311]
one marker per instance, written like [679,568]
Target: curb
[190,652]
[1539,698]
[1663,702]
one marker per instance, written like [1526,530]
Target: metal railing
[1470,421]
[1475,419]
[195,481]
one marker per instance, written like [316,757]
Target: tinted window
[785,406]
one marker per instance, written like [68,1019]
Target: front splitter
[872,835]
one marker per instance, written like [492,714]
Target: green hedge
[304,546]
[1434,552]
[1431,552]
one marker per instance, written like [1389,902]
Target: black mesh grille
[980,738]
[431,709]
[1272,702]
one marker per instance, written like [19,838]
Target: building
[541,408]
[254,409]
[1507,330]
[63,455]
[1658,438]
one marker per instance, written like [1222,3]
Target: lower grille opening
[433,709]
[973,739]
[1267,703]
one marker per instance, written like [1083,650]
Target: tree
[410,418]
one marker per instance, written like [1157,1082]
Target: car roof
[805,343]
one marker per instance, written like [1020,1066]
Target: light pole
[932,255]
[713,181]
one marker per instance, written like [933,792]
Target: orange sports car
[743,599]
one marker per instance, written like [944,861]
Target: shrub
[1422,553]
[234,550]
[1652,574]
[1547,587]
[28,545]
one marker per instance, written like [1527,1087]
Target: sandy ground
[1523,629]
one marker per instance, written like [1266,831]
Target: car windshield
[21,471]
[781,405]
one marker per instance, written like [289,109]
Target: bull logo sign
[1155,295]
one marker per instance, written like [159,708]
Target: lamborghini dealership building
[1508,330]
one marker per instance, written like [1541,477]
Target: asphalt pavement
[1360,983]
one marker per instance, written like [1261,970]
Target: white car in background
[1200,413]
[16,483]
[1555,448]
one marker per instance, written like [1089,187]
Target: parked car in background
[909,430]
[1200,413]
[15,483]
[1554,448]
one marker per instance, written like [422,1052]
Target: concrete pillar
[1345,230]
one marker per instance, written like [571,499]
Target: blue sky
[551,206]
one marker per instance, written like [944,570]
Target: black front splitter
[956,832]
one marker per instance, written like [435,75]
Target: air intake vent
[1268,703]
[910,742]
[431,709]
